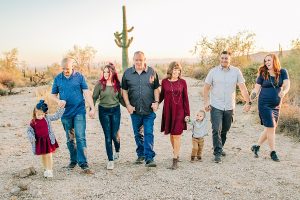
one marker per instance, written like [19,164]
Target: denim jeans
[110,122]
[221,121]
[144,142]
[77,149]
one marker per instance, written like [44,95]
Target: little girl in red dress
[41,135]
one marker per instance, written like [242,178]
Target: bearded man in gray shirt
[221,83]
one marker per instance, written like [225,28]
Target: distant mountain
[259,56]
[256,57]
[160,61]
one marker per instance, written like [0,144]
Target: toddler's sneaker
[116,155]
[48,174]
[110,165]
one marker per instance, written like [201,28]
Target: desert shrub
[197,71]
[7,82]
[250,75]
[161,70]
[291,62]
[53,70]
[3,91]
[290,120]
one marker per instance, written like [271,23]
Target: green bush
[250,75]
[3,92]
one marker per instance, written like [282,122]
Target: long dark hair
[114,78]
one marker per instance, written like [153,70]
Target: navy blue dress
[268,100]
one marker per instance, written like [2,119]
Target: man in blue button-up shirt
[73,91]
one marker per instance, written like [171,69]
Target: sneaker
[116,156]
[217,159]
[110,165]
[223,153]
[255,149]
[274,156]
[48,174]
[71,166]
[139,160]
[150,163]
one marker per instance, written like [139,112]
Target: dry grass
[44,92]
[290,120]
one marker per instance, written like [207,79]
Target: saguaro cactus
[122,40]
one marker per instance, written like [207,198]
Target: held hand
[281,94]
[154,106]
[246,107]
[92,113]
[62,103]
[207,107]
[130,109]
[32,140]
[187,119]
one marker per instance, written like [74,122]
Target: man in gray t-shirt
[221,83]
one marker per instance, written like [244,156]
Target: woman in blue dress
[272,84]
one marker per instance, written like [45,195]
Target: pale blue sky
[44,30]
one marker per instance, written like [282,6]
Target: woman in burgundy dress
[176,107]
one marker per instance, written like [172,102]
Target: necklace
[275,85]
[176,91]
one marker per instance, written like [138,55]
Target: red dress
[43,143]
[176,106]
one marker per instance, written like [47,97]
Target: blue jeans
[144,142]
[110,122]
[221,121]
[77,150]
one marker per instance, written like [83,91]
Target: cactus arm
[117,35]
[129,42]
[129,30]
[118,43]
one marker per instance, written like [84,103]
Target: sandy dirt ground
[240,176]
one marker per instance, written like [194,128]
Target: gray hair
[66,60]
[139,52]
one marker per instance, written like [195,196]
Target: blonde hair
[202,111]
[34,114]
[173,65]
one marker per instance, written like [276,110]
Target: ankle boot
[274,156]
[255,149]
[175,163]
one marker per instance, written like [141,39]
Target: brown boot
[175,164]
[178,159]
[193,158]
[199,158]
